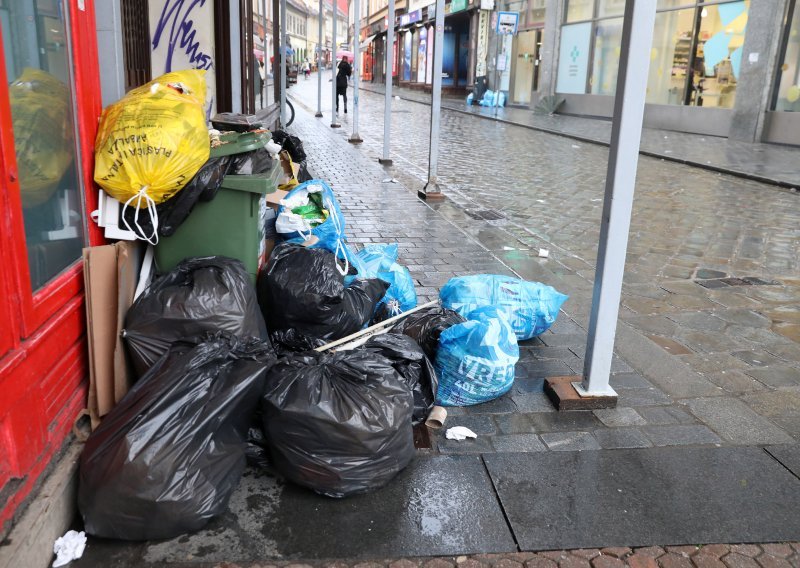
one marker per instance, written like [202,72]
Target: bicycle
[289,113]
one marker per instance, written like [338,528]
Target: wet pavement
[704,438]
[771,163]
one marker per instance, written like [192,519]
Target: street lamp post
[387,101]
[354,137]
[431,191]
[334,115]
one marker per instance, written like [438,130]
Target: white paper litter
[389,180]
[544,253]
[575,146]
[509,248]
[460,433]
[69,547]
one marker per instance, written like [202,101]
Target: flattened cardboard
[110,273]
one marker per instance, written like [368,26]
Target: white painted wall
[182,37]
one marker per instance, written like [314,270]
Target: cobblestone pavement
[710,317]
[763,162]
[773,555]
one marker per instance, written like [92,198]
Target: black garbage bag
[173,212]
[257,451]
[167,458]
[338,423]
[302,289]
[286,341]
[410,362]
[291,144]
[425,327]
[303,175]
[201,295]
[236,122]
[253,162]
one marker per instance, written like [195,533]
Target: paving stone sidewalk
[772,555]
[681,448]
[771,163]
[708,343]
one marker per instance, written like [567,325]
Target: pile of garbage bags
[281,373]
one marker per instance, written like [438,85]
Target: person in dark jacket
[345,70]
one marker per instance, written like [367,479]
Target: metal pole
[626,132]
[284,57]
[319,61]
[334,116]
[236,57]
[354,137]
[265,94]
[387,101]
[276,51]
[497,37]
[431,190]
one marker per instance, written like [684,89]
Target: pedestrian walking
[345,70]
[306,68]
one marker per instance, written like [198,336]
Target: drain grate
[485,214]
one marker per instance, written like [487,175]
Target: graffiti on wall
[183,38]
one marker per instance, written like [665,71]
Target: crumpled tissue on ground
[69,547]
[460,433]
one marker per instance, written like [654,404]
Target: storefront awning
[365,44]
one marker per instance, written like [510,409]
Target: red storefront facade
[49,49]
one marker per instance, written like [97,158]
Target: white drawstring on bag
[339,245]
[151,210]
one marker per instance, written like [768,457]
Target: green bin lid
[240,142]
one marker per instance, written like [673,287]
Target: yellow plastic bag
[42,133]
[152,141]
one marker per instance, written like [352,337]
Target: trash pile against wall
[257,332]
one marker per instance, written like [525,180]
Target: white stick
[372,330]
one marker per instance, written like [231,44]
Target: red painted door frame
[43,355]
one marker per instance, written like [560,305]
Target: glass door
[525,66]
[45,204]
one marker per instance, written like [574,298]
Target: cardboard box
[111,273]
[274,198]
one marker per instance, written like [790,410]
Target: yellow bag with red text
[152,141]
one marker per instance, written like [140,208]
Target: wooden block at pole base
[564,396]
[430,196]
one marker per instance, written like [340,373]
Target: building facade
[727,68]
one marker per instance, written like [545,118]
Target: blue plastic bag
[380,261]
[531,307]
[330,233]
[475,361]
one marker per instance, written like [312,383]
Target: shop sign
[483,43]
[456,6]
[410,18]
[507,23]
[573,58]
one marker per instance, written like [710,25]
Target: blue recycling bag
[475,360]
[330,232]
[380,261]
[531,307]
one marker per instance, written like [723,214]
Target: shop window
[422,55]
[407,56]
[38,68]
[414,54]
[788,92]
[606,8]
[578,10]
[718,55]
[607,41]
[670,56]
